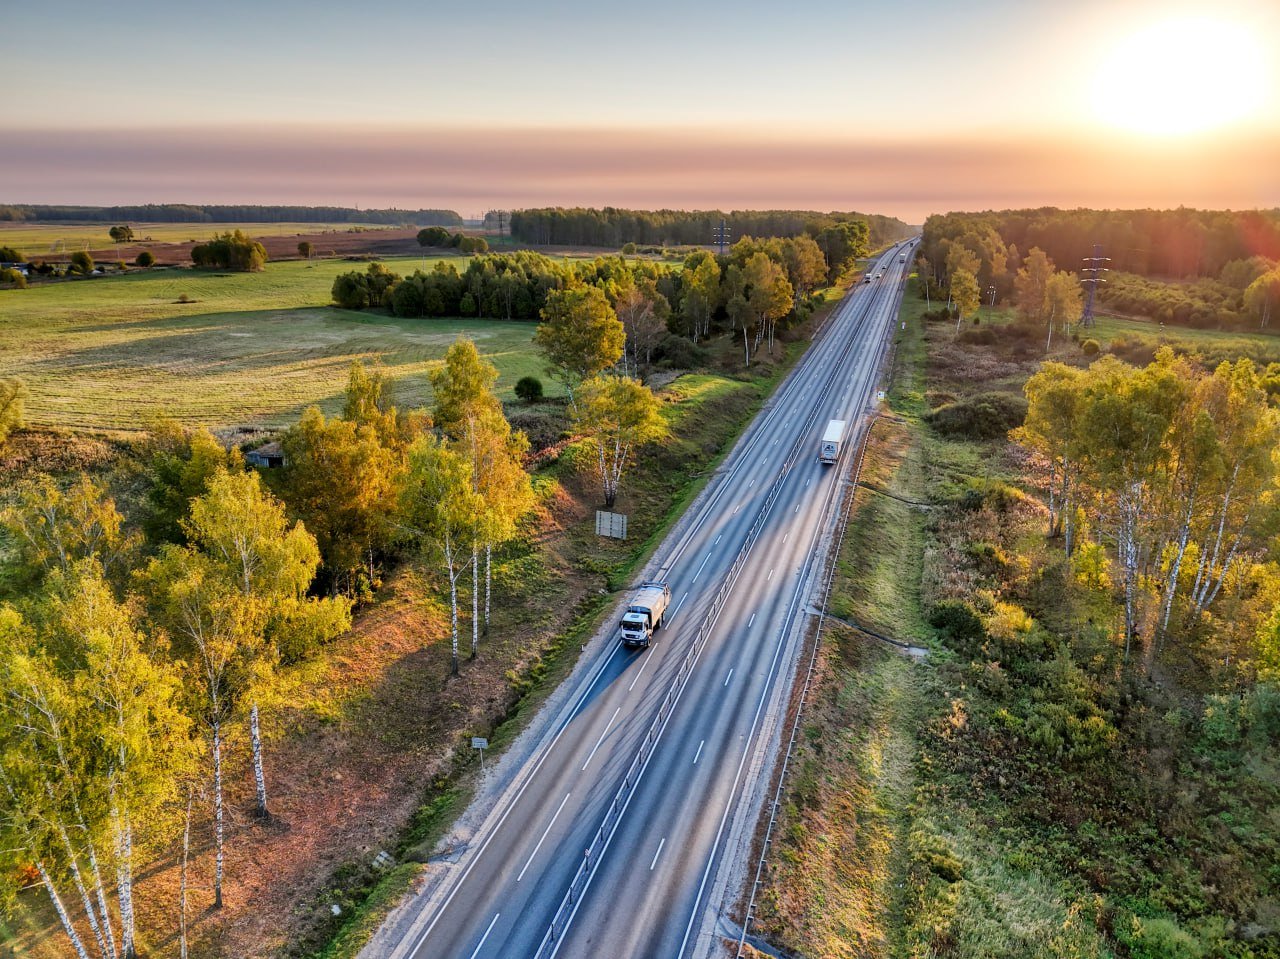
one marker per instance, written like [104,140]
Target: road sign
[611,524]
[479,742]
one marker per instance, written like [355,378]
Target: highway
[753,539]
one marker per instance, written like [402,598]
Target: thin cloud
[473,169]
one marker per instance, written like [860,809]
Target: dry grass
[251,350]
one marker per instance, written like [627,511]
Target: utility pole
[501,219]
[720,236]
[1091,276]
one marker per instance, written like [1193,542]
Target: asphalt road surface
[649,893]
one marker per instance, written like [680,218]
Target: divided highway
[650,892]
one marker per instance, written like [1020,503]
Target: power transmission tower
[501,220]
[720,236]
[1091,276]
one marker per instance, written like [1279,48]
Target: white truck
[645,613]
[829,451]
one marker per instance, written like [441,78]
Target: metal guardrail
[845,513]
[776,803]
[600,840]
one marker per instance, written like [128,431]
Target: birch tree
[441,510]
[617,415]
[699,293]
[56,527]
[964,290]
[243,529]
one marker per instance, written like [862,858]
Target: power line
[720,236]
[1091,276]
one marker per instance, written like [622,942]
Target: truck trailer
[829,452]
[645,613]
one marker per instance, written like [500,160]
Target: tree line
[758,288]
[614,227]
[228,213]
[1227,261]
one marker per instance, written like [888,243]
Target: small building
[268,456]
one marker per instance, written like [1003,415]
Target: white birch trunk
[124,876]
[475,602]
[77,879]
[217,814]
[259,778]
[182,880]
[488,583]
[61,910]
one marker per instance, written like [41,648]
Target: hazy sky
[902,108]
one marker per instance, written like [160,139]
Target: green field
[115,353]
[45,239]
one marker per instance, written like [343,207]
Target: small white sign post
[480,743]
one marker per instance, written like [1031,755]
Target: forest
[1210,270]
[758,288]
[613,227]
[226,213]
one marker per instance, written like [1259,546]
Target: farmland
[248,350]
[43,239]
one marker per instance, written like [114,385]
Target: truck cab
[645,614]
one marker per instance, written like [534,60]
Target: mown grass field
[44,239]
[115,353]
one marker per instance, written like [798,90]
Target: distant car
[878,275]
[867,278]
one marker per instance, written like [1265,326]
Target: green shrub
[1091,347]
[81,262]
[959,625]
[145,258]
[629,249]
[9,255]
[529,389]
[679,353]
[983,416]
[11,277]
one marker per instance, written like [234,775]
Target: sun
[1182,76]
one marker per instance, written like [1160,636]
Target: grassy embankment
[934,810]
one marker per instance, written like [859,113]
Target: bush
[628,249]
[11,277]
[529,389]
[9,255]
[1091,347]
[959,625]
[983,416]
[81,262]
[679,353]
[433,236]
[145,258]
[231,251]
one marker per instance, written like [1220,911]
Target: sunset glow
[1183,76]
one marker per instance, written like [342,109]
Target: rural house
[268,456]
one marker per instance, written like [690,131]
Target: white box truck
[645,613]
[829,452]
